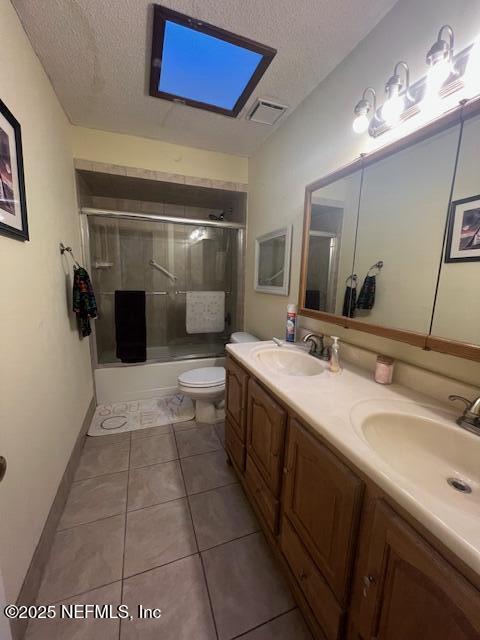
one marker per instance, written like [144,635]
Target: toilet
[206,386]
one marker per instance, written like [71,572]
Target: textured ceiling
[97,52]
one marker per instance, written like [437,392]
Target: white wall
[45,376]
[317,138]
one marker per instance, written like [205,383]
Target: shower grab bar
[182,293]
[165,272]
[147,293]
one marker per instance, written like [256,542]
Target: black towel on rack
[349,302]
[130,326]
[366,297]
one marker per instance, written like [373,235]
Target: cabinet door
[236,396]
[322,499]
[266,435]
[409,590]
[234,446]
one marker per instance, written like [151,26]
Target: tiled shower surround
[156,518]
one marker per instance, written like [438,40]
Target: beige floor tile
[245,584]
[98,461]
[184,426]
[81,629]
[155,484]
[290,626]
[83,558]
[221,515]
[102,441]
[95,498]
[148,432]
[179,590]
[220,429]
[207,471]
[146,451]
[198,440]
[157,535]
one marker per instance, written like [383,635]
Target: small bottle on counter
[384,370]
[335,356]
[291,322]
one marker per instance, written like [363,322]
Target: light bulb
[392,109]
[360,124]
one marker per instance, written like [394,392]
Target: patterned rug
[119,417]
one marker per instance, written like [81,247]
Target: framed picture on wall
[463,237]
[13,208]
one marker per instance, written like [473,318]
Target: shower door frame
[85,212]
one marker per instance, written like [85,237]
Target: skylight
[204,66]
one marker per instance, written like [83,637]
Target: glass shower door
[165,260]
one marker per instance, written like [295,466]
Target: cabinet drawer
[266,422]
[266,502]
[234,446]
[236,396]
[322,602]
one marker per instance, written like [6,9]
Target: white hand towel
[205,311]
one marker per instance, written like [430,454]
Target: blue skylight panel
[200,67]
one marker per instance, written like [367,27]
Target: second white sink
[424,446]
[289,361]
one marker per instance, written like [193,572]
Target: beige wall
[45,376]
[143,153]
[317,138]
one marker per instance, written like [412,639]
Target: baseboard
[31,583]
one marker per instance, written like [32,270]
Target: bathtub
[136,382]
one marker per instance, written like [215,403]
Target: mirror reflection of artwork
[272,262]
[463,241]
[13,213]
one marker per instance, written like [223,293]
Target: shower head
[218,218]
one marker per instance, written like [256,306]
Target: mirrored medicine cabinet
[391,242]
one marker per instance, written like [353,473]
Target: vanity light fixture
[394,105]
[362,109]
[440,60]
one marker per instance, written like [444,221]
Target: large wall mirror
[392,242]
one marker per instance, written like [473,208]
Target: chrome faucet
[470,418]
[316,344]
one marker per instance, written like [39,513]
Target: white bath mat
[118,417]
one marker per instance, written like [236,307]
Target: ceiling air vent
[266,112]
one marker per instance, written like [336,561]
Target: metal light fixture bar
[416,93]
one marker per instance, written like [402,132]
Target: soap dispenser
[335,356]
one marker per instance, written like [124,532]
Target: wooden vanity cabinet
[236,384]
[358,569]
[266,422]
[406,589]
[322,499]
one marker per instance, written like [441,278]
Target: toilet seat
[203,378]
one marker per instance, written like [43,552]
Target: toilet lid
[203,377]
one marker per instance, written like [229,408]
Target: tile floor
[157,518]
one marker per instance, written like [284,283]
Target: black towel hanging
[131,326]
[350,298]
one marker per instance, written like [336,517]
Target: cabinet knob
[367,581]
[303,575]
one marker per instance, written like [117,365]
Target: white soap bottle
[334,364]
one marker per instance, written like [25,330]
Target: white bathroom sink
[425,446]
[289,361]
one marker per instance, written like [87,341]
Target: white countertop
[327,403]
